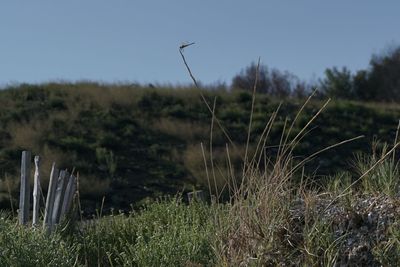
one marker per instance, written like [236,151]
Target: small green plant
[108,159]
[337,183]
[339,186]
[320,246]
[388,251]
[384,177]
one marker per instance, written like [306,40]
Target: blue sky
[137,41]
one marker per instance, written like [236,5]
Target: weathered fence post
[36,192]
[47,222]
[24,194]
[59,197]
[69,194]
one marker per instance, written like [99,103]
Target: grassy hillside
[129,142]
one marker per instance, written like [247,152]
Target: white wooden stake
[47,222]
[24,193]
[36,192]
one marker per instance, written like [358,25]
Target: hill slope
[129,142]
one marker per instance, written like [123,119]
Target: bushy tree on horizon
[363,90]
[338,83]
[270,81]
[384,75]
[246,78]
[380,82]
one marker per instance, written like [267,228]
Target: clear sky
[137,41]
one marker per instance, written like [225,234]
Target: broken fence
[60,194]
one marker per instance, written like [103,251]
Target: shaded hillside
[129,142]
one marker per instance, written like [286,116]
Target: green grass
[164,233]
[388,251]
[132,143]
[258,229]
[384,178]
[22,246]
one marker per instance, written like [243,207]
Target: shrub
[21,246]
[164,233]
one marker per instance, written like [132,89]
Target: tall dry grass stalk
[259,213]
[260,210]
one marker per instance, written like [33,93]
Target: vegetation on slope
[275,213]
[277,224]
[130,142]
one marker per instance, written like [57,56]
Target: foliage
[165,233]
[384,75]
[384,178]
[274,214]
[272,82]
[380,82]
[388,251]
[270,220]
[22,246]
[338,83]
[129,142]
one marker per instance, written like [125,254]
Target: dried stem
[251,116]
[187,66]
[204,99]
